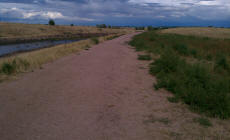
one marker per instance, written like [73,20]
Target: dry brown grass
[199,31]
[26,31]
[36,59]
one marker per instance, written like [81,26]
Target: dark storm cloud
[116,11]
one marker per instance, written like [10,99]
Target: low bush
[221,61]
[173,99]
[16,65]
[95,40]
[203,121]
[181,48]
[8,68]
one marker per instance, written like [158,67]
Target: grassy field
[202,32]
[28,61]
[23,32]
[195,69]
[11,66]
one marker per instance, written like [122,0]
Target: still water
[13,48]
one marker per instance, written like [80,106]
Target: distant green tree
[101,26]
[51,22]
[71,25]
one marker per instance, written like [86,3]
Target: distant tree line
[109,26]
[150,28]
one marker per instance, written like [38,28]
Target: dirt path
[92,96]
[101,94]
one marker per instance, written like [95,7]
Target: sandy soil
[104,93]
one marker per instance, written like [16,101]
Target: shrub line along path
[103,93]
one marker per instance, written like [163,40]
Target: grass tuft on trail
[203,121]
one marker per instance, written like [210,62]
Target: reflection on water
[9,49]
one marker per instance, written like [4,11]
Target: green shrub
[8,68]
[144,57]
[181,48]
[209,57]
[173,99]
[203,121]
[221,62]
[95,40]
[14,66]
[168,62]
[193,52]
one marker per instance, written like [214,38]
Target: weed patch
[203,121]
[173,99]
[16,65]
[164,121]
[144,57]
[95,40]
[8,68]
[87,47]
[113,37]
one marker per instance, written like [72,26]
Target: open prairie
[18,32]
[201,31]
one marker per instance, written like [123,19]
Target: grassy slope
[28,61]
[195,69]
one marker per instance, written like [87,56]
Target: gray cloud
[103,10]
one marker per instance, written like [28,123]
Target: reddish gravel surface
[94,95]
[104,93]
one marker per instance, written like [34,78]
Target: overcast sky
[118,12]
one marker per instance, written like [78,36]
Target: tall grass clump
[8,68]
[221,61]
[181,48]
[194,84]
[16,65]
[95,40]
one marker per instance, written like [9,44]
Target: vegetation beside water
[28,61]
[195,69]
